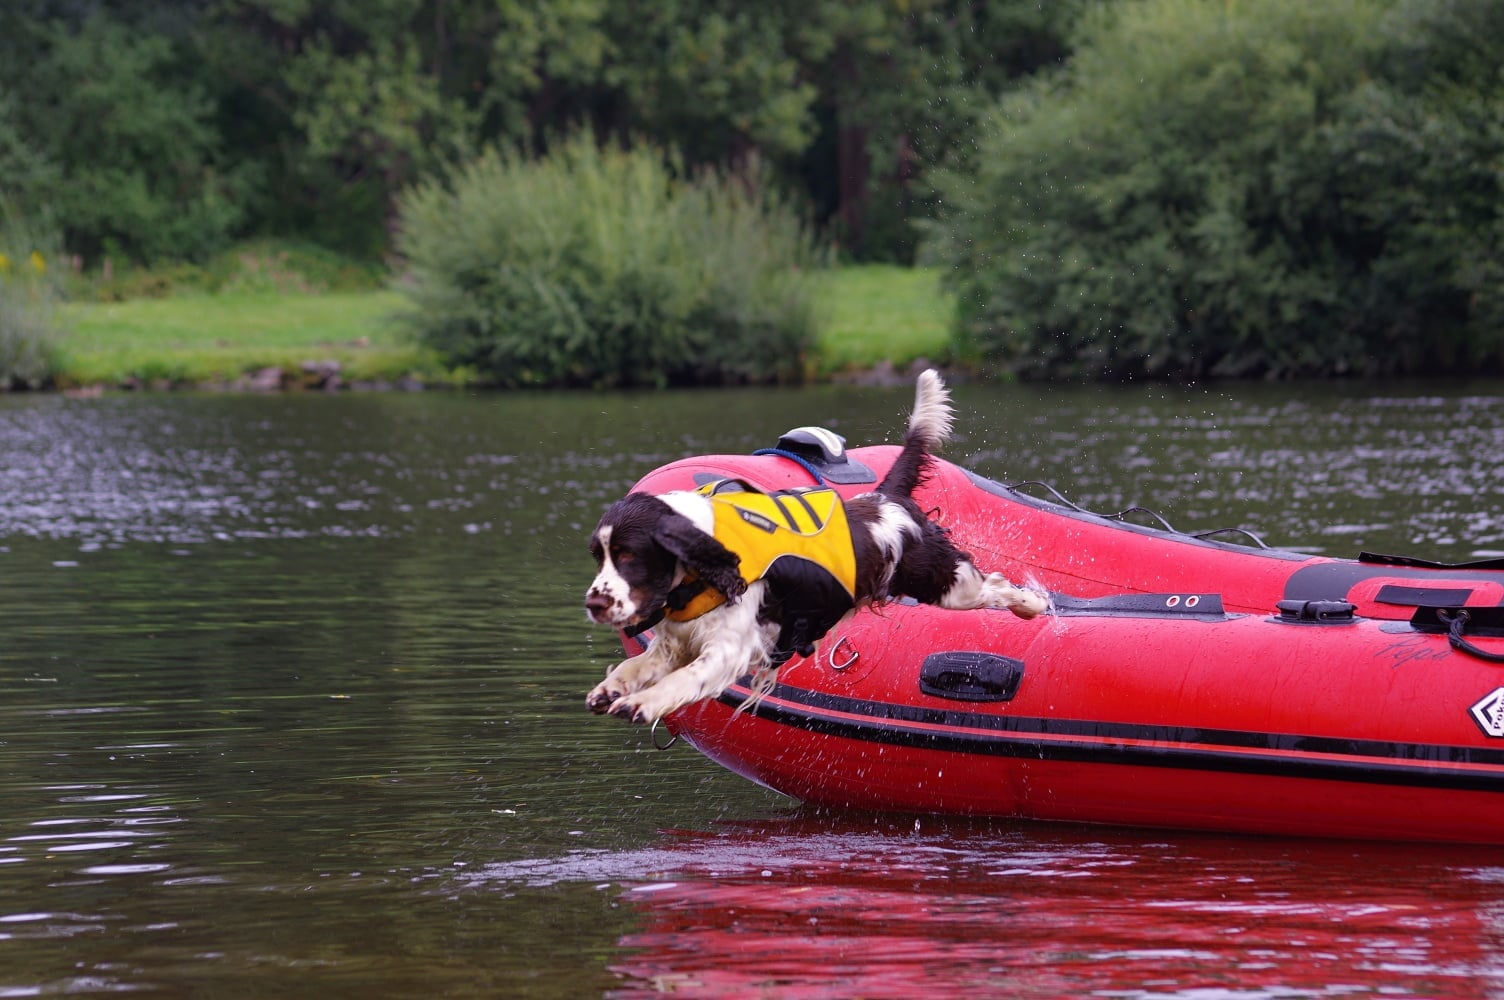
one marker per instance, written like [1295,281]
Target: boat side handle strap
[1456,623]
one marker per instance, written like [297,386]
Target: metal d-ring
[831,657]
[653,735]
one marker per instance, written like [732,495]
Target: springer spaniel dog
[735,581]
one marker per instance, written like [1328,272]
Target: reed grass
[30,324]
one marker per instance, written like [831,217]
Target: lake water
[291,704]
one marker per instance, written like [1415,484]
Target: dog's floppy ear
[715,564]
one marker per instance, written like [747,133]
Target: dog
[806,561]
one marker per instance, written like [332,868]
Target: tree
[900,89]
[26,173]
[717,79]
[181,124]
[121,115]
[1262,188]
[342,103]
[1417,156]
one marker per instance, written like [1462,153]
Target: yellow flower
[37,263]
[4,264]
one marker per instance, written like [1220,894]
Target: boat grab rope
[1456,623]
[1251,536]
[1122,515]
[785,453]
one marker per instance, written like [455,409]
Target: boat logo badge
[1489,713]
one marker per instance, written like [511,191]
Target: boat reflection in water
[810,906]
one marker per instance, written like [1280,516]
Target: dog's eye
[623,556]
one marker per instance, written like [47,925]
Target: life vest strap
[691,599]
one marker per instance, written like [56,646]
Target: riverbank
[872,317]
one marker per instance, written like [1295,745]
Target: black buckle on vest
[633,631]
[677,600]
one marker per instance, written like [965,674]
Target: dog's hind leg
[972,590]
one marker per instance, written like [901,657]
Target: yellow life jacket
[798,541]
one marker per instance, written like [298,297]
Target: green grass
[876,312]
[869,313]
[208,338]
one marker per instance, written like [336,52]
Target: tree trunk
[854,169]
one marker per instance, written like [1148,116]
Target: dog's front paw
[646,707]
[601,697]
[1030,604]
[631,708]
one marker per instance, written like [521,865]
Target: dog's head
[643,549]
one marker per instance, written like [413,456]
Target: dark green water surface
[291,704]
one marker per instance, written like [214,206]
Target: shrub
[1271,187]
[30,262]
[600,266]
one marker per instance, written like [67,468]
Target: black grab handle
[967,675]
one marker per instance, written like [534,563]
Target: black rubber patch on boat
[965,675]
[1208,606]
[1435,597]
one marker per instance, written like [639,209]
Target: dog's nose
[596,604]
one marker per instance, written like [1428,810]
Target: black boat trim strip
[1233,751]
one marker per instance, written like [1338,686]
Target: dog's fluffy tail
[929,427]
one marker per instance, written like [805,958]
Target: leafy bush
[1272,187]
[604,267]
[29,296]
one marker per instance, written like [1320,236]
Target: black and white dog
[654,552]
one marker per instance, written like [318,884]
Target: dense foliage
[162,131]
[1166,188]
[1273,187]
[607,267]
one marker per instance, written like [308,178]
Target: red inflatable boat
[1178,681]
